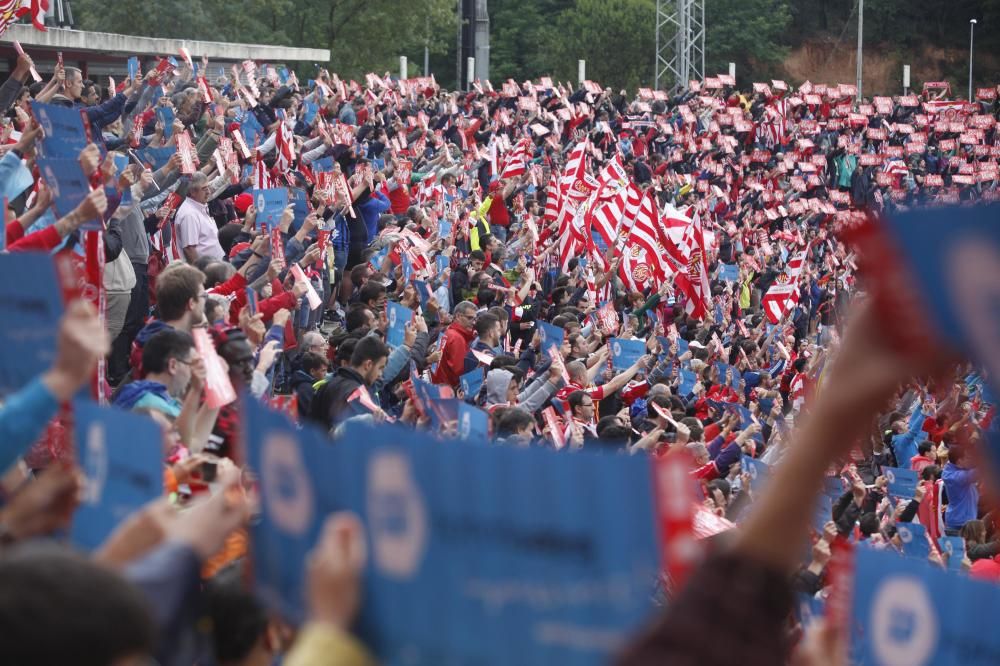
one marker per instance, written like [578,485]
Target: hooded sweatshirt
[147,394]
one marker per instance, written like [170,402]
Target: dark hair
[163,346]
[478,255]
[930,473]
[500,313]
[238,619]
[346,349]
[356,317]
[58,608]
[575,399]
[513,420]
[868,524]
[974,531]
[371,291]
[694,425]
[485,297]
[175,287]
[719,484]
[484,323]
[369,348]
[924,447]
[311,361]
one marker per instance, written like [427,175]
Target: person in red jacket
[455,345]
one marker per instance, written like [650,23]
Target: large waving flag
[694,283]
[784,293]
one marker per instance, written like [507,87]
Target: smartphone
[209,471]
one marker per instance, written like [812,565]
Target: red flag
[694,283]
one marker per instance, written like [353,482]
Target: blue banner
[494,539]
[399,316]
[270,206]
[121,455]
[472,382]
[625,353]
[902,482]
[906,611]
[473,423]
[729,272]
[30,317]
[551,336]
[64,128]
[133,67]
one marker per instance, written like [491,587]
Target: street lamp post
[861,39]
[972,34]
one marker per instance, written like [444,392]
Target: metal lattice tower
[680,43]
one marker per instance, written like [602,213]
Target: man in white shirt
[197,233]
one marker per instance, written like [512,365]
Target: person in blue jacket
[371,205]
[963,495]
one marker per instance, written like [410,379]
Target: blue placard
[758,470]
[300,206]
[953,549]
[120,454]
[481,531]
[121,163]
[253,131]
[378,258]
[688,380]
[723,370]
[270,205]
[442,262]
[65,132]
[322,165]
[423,292]
[472,382]
[30,316]
[407,266]
[551,336]
[906,611]
[309,111]
[399,316]
[625,353]
[729,272]
[64,178]
[165,115]
[444,228]
[156,158]
[902,482]
[473,423]
[913,536]
[133,67]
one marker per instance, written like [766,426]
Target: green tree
[751,33]
[615,37]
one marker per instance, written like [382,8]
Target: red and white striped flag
[429,188]
[261,178]
[784,293]
[553,199]
[9,10]
[694,283]
[515,161]
[283,148]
